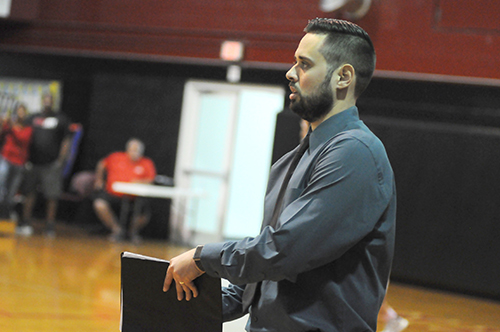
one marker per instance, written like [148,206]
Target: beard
[316,106]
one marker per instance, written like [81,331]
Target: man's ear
[345,76]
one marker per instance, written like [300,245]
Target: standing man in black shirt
[49,150]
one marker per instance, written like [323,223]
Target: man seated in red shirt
[128,166]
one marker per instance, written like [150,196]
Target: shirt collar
[332,126]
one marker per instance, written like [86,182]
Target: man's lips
[294,93]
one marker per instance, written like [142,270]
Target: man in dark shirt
[322,259]
[49,149]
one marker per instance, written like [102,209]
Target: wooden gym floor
[72,283]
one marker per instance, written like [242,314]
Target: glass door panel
[225,149]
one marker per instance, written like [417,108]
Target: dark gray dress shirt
[326,265]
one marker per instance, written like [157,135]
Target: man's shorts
[137,205]
[48,178]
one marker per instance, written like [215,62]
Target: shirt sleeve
[150,170]
[106,160]
[22,136]
[65,125]
[344,198]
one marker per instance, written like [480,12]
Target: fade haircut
[345,43]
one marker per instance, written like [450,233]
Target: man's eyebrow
[304,58]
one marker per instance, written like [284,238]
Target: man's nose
[291,75]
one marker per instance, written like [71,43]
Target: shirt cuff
[210,259]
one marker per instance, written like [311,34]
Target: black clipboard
[145,307]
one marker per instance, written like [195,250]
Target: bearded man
[322,259]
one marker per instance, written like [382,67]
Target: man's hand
[183,271]
[98,184]
[99,175]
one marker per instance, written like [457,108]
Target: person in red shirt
[16,138]
[128,166]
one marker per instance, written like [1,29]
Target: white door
[225,148]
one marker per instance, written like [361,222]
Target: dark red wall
[444,37]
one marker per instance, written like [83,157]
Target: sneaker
[24,230]
[14,216]
[136,239]
[50,230]
[397,324]
[117,237]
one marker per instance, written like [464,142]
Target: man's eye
[301,64]
[304,65]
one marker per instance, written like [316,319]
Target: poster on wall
[14,92]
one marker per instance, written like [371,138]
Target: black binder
[146,308]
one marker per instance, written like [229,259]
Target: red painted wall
[445,37]
[451,37]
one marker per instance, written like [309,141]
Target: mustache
[293,87]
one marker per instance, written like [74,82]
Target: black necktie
[250,289]
[293,165]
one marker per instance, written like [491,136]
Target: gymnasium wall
[440,37]
[435,101]
[443,141]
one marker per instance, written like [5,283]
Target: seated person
[128,166]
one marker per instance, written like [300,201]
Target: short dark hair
[346,42]
[138,141]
